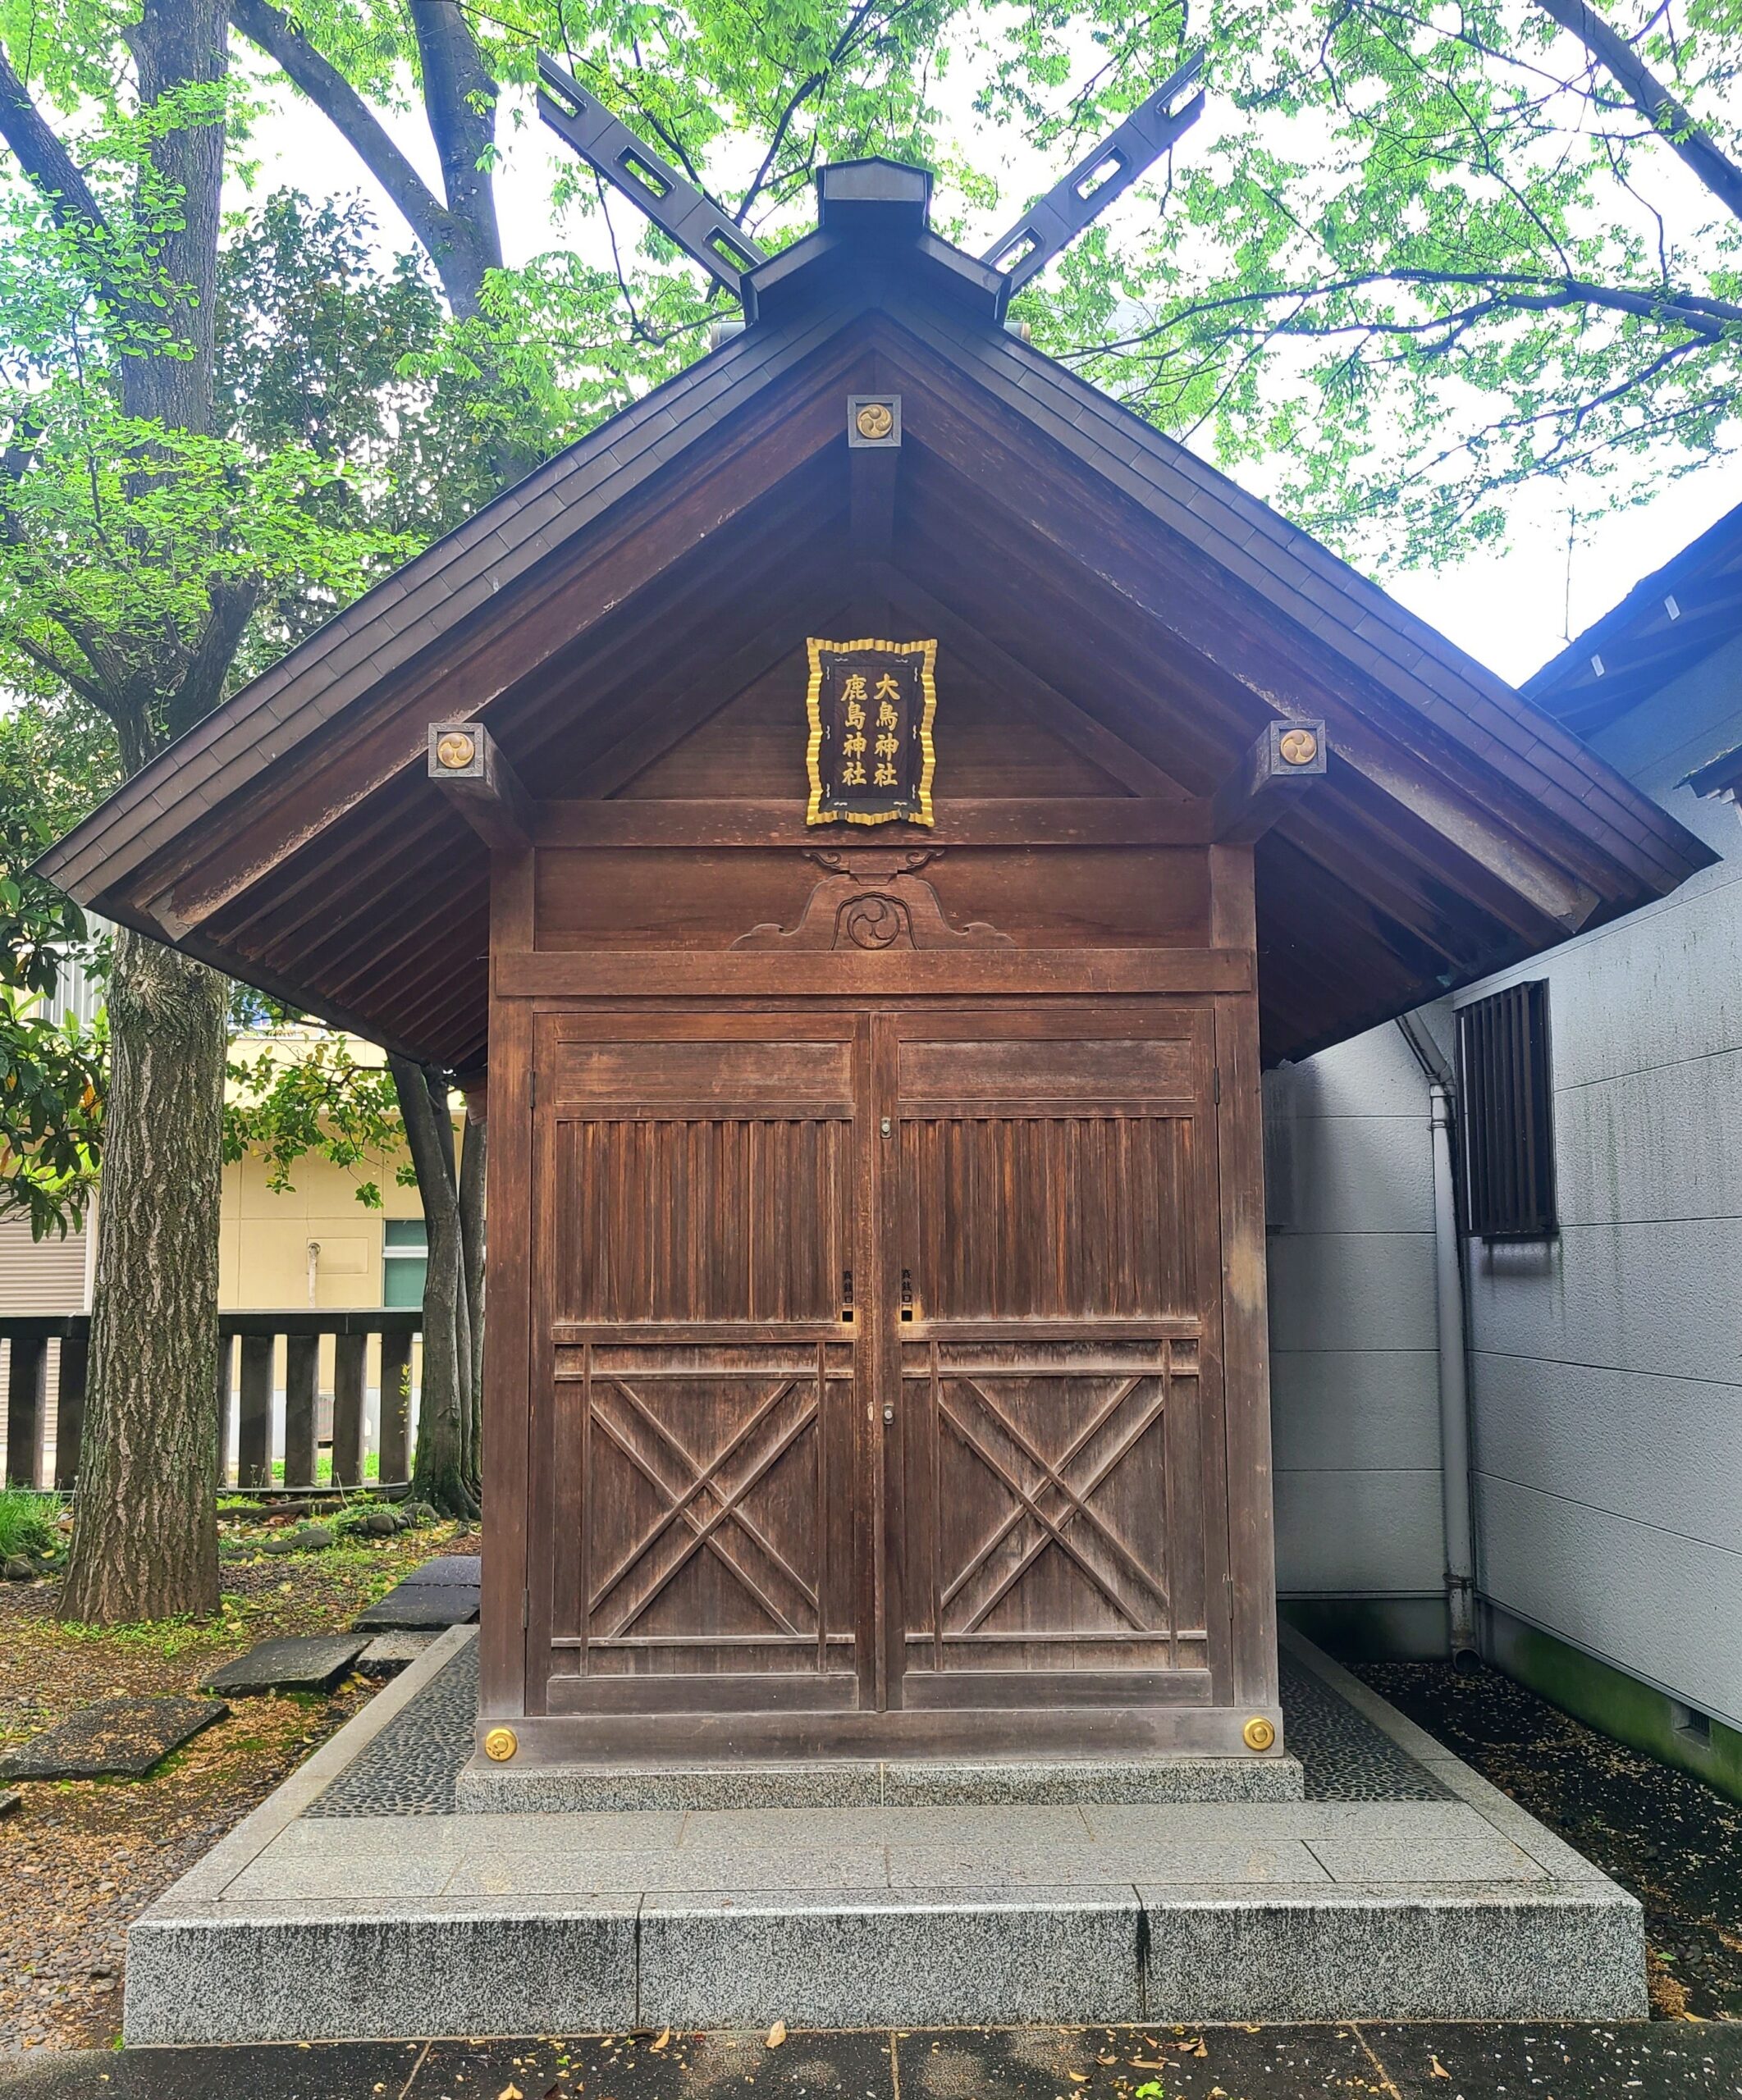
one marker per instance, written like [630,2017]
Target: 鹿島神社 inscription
[870,706]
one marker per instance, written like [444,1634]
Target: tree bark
[145,1522]
[472,1166]
[144,1541]
[448,239]
[438,1473]
[1696,150]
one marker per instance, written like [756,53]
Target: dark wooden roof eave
[113,862]
[443,586]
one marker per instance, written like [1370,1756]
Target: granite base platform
[361,1901]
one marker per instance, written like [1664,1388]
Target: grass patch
[26,1521]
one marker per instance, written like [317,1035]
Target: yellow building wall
[314,1244]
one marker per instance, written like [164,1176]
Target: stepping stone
[302,1661]
[9,1801]
[450,1568]
[390,1653]
[420,1604]
[121,1738]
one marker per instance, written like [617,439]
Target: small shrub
[26,1522]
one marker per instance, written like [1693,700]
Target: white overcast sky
[1510,609]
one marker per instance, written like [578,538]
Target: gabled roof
[1669,621]
[1467,825]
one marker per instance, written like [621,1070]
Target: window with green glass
[405,1258]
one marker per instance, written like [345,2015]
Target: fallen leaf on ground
[1437,2068]
[664,2037]
[777,2034]
[511,2093]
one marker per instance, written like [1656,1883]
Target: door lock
[888,1411]
[885,1127]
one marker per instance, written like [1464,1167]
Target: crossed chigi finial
[710,236]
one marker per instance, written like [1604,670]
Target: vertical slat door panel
[701,1190]
[1050,1202]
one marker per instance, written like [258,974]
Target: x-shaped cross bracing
[710,1530]
[1079,1502]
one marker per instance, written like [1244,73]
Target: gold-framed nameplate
[871,705]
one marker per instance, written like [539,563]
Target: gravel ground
[79,1858]
[1676,1842]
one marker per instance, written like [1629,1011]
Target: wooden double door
[877,1373]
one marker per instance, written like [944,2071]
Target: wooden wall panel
[1052,897]
[755,745]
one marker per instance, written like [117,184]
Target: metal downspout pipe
[1454,1385]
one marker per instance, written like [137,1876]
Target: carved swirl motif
[873,922]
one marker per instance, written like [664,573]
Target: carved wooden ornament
[873,901]
[871,705]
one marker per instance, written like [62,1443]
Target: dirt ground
[79,1858]
[1676,1842]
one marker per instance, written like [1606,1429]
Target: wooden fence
[260,1355]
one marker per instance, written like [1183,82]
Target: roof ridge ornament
[708,235]
[1050,226]
[698,225]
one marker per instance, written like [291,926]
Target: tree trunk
[145,1521]
[144,1541]
[472,1165]
[439,1473]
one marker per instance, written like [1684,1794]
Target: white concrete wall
[1354,1392]
[1606,1367]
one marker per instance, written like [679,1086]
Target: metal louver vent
[1506,1124]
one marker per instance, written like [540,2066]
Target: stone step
[484,1787]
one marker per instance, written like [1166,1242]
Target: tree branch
[460,99]
[444,238]
[43,159]
[1697,149]
[1713,319]
[220,636]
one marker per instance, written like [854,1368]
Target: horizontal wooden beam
[1063,820]
[689,973]
[1286,758]
[467,764]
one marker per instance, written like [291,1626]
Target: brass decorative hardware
[1299,746]
[501,1744]
[1258,1732]
[455,751]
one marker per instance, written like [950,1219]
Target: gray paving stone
[463,1569]
[959,1826]
[1041,1866]
[315,1978]
[1147,1779]
[300,1662]
[665,1872]
[1405,1821]
[483,1787]
[893,1958]
[390,1653]
[9,1801]
[352,1877]
[113,1738]
[1490,1952]
[1425,1860]
[433,1605]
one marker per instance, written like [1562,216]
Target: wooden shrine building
[868,809]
